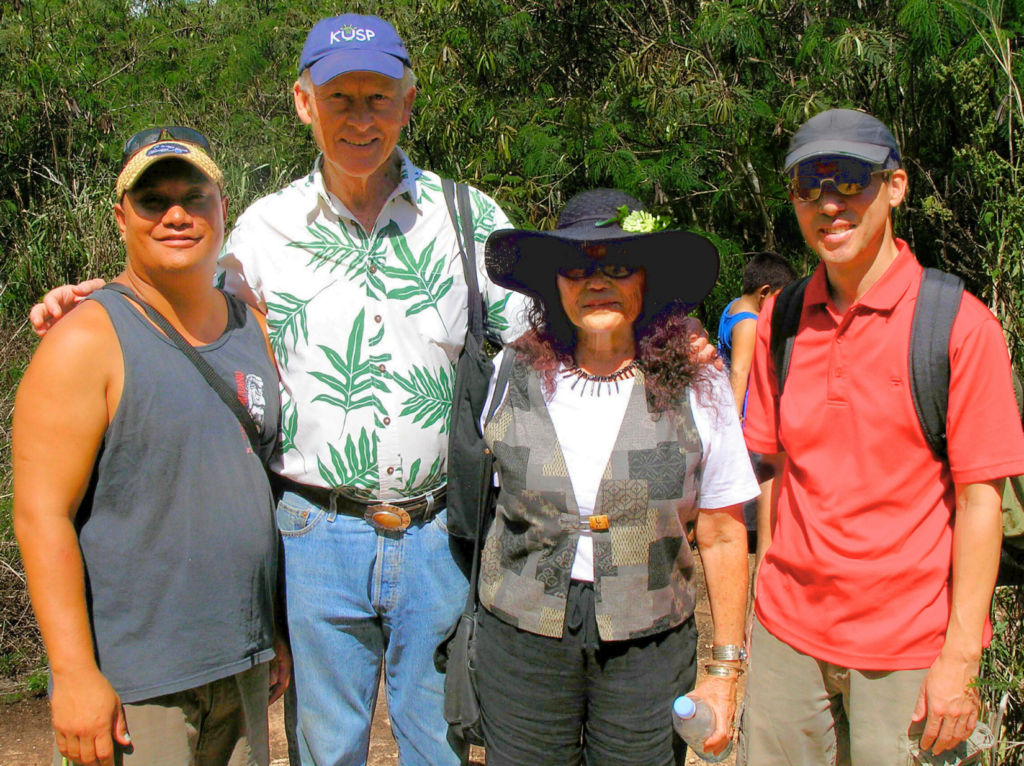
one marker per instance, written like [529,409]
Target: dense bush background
[687,104]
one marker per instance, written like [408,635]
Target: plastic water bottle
[695,722]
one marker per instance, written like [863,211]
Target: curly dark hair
[662,340]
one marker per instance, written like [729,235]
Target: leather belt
[391,516]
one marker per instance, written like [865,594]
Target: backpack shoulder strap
[456,196]
[789,306]
[938,302]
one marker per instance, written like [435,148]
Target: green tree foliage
[687,104]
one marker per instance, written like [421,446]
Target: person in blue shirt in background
[764,276]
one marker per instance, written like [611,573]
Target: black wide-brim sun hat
[679,266]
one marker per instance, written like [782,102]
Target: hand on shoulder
[58,302]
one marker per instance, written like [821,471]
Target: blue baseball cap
[844,133]
[353,43]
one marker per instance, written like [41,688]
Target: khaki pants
[800,711]
[223,723]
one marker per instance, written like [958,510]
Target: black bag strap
[458,195]
[500,384]
[938,302]
[227,394]
[789,305]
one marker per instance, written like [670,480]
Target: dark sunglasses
[151,136]
[849,177]
[610,270]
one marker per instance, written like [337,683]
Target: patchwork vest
[643,564]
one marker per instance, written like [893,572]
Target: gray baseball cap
[845,133]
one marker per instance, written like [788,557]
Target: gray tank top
[177,528]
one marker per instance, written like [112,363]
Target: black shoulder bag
[466,468]
[455,656]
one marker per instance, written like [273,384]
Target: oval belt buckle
[388,517]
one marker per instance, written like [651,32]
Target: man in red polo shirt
[873,597]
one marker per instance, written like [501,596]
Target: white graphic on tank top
[254,398]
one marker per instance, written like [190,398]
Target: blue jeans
[354,595]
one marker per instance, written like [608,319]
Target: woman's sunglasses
[610,270]
[151,136]
[849,177]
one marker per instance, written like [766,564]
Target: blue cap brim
[343,62]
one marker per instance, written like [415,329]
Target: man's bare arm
[744,333]
[61,413]
[947,696]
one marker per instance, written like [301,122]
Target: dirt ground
[26,738]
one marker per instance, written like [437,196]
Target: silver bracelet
[728,653]
[722,671]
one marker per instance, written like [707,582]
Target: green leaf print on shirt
[483,216]
[423,184]
[426,287]
[291,319]
[357,378]
[431,399]
[289,426]
[431,481]
[334,246]
[495,318]
[376,339]
[357,469]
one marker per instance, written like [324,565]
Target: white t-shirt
[587,427]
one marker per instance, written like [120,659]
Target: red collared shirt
[859,570]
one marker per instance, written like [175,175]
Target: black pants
[561,702]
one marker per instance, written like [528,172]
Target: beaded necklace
[595,381]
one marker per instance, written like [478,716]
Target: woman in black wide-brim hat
[609,440]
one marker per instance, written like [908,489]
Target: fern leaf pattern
[425,288]
[289,426]
[290,319]
[425,185]
[356,469]
[430,400]
[334,246]
[356,379]
[432,480]
[483,216]
[495,319]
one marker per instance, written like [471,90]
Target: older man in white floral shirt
[359,270]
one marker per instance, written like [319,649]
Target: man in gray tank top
[142,506]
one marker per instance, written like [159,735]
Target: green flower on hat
[639,221]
